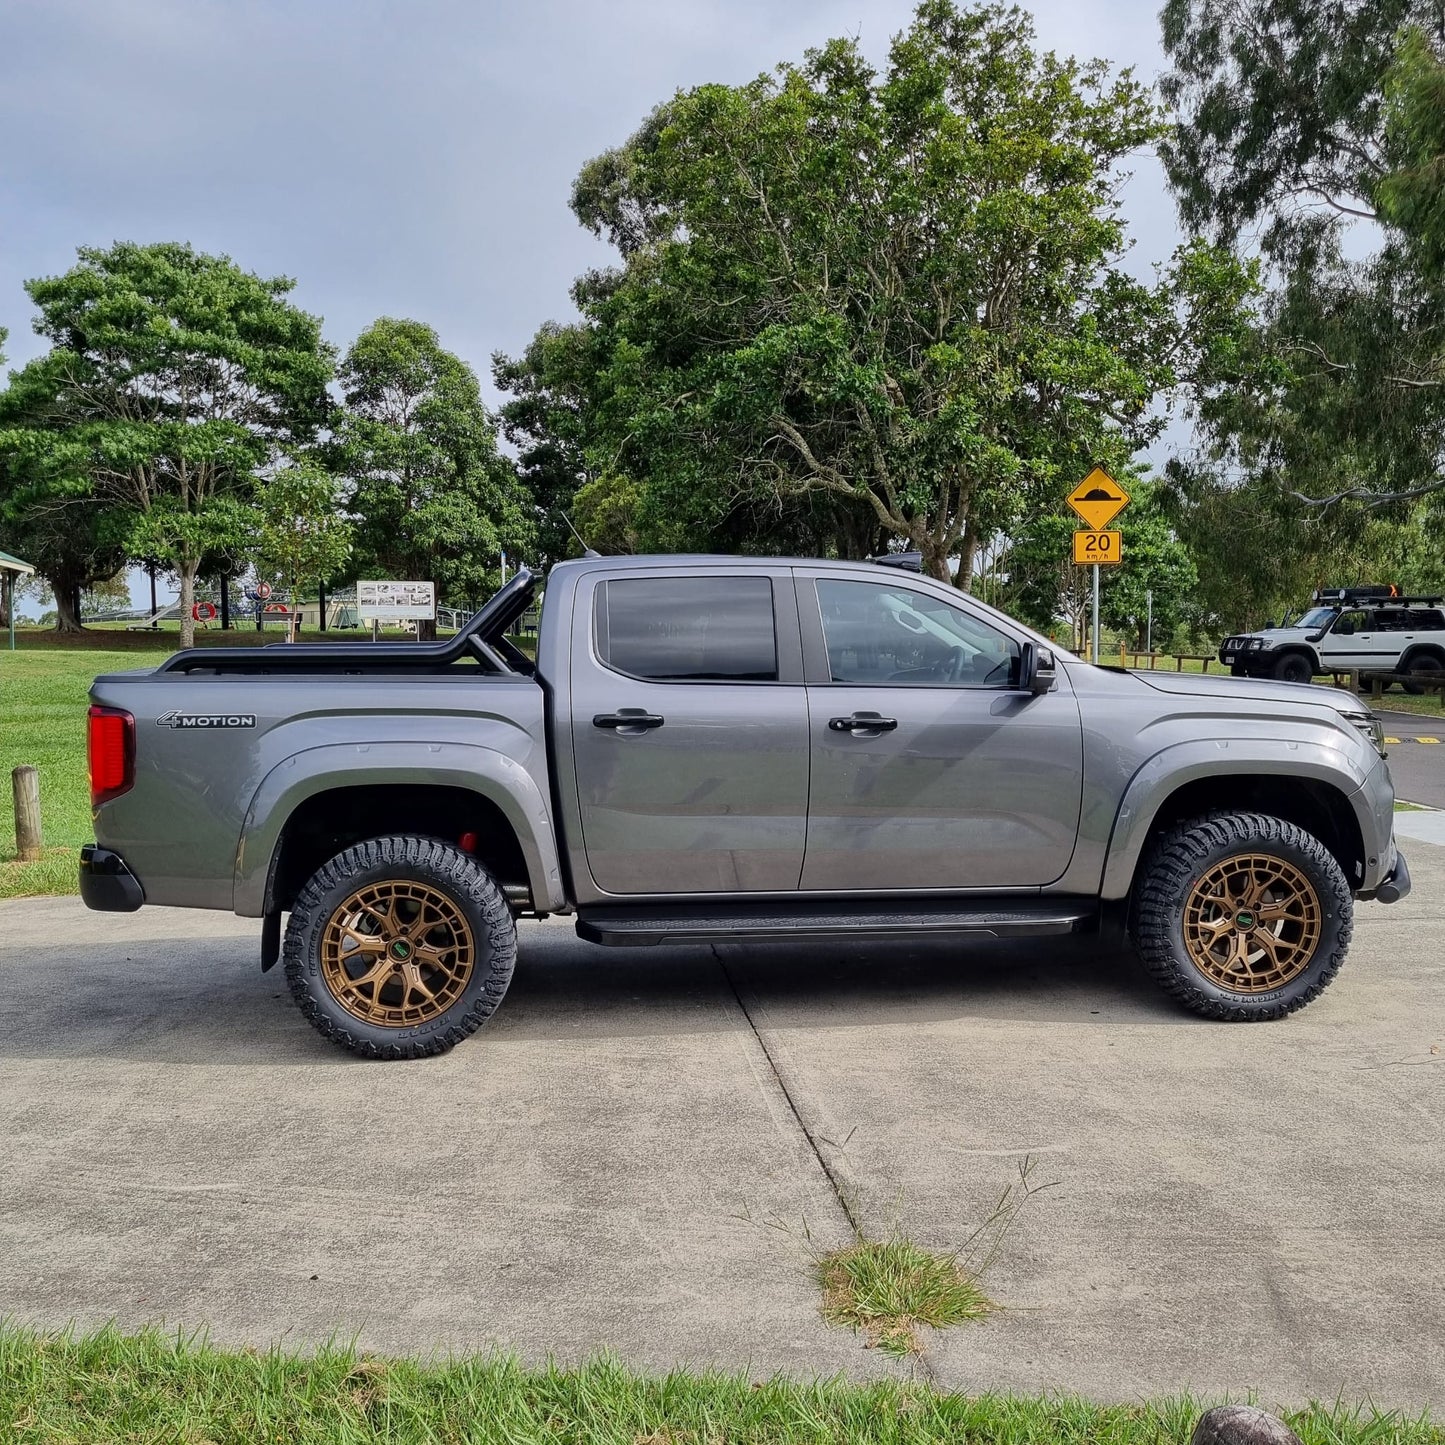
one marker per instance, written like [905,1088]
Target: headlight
[1256,642]
[1371,726]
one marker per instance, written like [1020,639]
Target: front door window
[897,637]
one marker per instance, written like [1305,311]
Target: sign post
[1098,499]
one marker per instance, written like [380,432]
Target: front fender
[1173,767]
[484,771]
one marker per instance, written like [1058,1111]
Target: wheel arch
[1419,650]
[316,803]
[1317,793]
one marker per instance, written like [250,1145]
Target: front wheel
[1242,916]
[1294,667]
[400,947]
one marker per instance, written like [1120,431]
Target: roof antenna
[586,550]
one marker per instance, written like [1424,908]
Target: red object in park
[203,611]
[110,743]
[263,590]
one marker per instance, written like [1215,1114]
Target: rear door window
[688,629]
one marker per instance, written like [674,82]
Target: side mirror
[1344,629]
[1036,669]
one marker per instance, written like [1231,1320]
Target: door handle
[627,720]
[862,722]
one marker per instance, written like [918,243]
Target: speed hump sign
[1098,549]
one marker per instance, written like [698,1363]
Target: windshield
[1317,617]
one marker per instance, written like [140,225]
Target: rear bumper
[106,884]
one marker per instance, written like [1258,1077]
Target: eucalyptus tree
[1314,130]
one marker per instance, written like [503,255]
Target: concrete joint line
[836,1183]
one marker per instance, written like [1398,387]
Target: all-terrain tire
[441,869]
[1177,863]
[1294,667]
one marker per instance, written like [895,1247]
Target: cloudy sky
[407,159]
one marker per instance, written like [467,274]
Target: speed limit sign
[1098,549]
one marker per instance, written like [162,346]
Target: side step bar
[1026,918]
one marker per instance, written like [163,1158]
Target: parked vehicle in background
[713,748]
[1348,627]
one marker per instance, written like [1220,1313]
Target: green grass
[153,1387]
[42,721]
[1426,706]
[886,1289]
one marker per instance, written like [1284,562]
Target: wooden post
[28,843]
[225,601]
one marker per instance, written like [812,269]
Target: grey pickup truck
[713,748]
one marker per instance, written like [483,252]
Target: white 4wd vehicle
[1362,627]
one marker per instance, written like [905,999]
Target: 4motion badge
[208,720]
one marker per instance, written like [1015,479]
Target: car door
[689,731]
[928,770]
[1351,640]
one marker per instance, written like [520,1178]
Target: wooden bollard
[1241,1425]
[28,843]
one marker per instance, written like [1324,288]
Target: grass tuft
[886,1290]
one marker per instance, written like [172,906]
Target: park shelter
[10,569]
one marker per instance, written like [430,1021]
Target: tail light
[111,745]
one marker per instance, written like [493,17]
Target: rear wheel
[1294,667]
[400,947]
[1242,916]
[1427,667]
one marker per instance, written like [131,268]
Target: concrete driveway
[630,1155]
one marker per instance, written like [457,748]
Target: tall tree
[901,291]
[176,377]
[432,497]
[303,537]
[1314,129]
[48,503]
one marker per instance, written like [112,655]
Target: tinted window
[883,634]
[689,629]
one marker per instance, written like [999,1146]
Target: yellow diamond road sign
[1098,499]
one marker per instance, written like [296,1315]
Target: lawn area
[42,721]
[156,1387]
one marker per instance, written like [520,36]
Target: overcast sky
[406,159]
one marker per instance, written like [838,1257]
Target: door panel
[975,786]
[712,799]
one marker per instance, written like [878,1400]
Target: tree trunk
[963,578]
[935,558]
[67,605]
[188,600]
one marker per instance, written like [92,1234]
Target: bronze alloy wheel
[1252,923]
[397,953]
